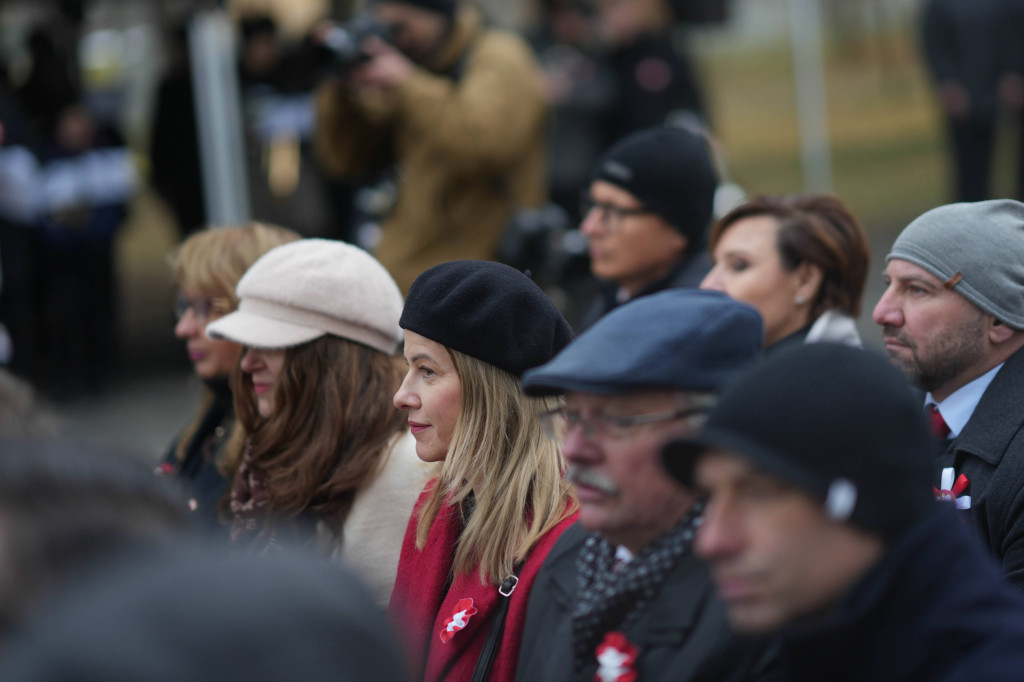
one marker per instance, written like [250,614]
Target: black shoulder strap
[486,660]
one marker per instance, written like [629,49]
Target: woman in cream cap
[329,460]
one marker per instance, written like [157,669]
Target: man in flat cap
[621,593]
[952,318]
[646,216]
[820,528]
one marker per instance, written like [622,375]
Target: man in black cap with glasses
[820,525]
[646,215]
[621,593]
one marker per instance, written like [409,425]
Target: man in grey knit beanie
[952,319]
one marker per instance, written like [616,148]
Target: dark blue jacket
[935,608]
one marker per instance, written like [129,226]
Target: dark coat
[682,636]
[964,41]
[687,274]
[990,453]
[935,608]
[198,469]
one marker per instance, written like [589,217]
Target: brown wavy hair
[817,229]
[211,262]
[332,424]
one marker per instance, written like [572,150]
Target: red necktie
[938,425]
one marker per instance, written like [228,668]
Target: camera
[345,41]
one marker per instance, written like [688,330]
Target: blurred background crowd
[103,157]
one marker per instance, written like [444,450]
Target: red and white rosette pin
[615,659]
[459,619]
[950,490]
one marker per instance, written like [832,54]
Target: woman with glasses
[800,260]
[329,464]
[497,501]
[206,269]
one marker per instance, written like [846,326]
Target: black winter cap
[839,422]
[669,170]
[487,310]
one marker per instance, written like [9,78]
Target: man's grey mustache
[590,478]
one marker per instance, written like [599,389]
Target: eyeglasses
[611,215]
[201,307]
[558,423]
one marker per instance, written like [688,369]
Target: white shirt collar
[958,407]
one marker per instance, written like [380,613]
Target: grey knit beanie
[976,249]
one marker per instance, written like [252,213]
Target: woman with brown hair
[800,260]
[328,462]
[206,269]
[497,502]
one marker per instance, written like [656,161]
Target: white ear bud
[801,299]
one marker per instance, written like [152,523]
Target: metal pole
[809,80]
[219,118]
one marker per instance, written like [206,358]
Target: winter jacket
[935,608]
[466,133]
[989,452]
[681,636]
[446,618]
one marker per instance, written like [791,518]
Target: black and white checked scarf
[609,599]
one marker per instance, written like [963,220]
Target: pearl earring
[801,299]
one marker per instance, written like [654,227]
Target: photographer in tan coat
[458,109]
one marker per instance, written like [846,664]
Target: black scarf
[608,598]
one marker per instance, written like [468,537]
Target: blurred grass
[888,148]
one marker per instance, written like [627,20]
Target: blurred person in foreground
[328,462]
[458,109]
[952,318]
[206,269]
[646,215]
[194,614]
[64,510]
[621,595]
[800,260]
[497,502]
[820,527]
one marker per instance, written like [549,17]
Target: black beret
[486,310]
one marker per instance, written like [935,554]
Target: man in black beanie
[646,216]
[456,109]
[819,525]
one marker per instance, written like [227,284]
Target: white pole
[219,119]
[809,81]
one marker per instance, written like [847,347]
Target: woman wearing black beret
[497,503]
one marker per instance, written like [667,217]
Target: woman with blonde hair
[497,501]
[206,269]
[329,463]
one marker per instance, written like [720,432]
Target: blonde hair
[500,454]
[212,261]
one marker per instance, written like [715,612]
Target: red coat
[444,631]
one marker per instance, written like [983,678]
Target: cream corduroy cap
[298,292]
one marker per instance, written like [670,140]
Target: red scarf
[424,609]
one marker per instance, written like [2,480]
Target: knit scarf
[249,500]
[612,598]
[427,598]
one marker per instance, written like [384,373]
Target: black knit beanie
[445,7]
[669,170]
[838,422]
[487,310]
